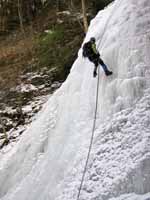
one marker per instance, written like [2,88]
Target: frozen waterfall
[48,161]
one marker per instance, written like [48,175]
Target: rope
[96,105]
[91,141]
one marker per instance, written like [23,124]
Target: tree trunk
[3,14]
[58,5]
[85,23]
[20,18]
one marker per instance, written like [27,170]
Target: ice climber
[90,51]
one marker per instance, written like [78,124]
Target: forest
[14,12]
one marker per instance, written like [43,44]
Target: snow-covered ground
[20,105]
[48,162]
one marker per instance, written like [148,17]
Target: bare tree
[58,5]
[72,8]
[85,23]
[3,15]
[20,17]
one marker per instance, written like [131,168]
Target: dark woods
[12,11]
[16,12]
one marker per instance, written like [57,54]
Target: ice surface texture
[48,161]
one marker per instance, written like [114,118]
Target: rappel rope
[91,141]
[96,106]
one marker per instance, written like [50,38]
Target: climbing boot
[108,73]
[94,74]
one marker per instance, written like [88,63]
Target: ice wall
[48,161]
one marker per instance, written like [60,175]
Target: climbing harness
[96,105]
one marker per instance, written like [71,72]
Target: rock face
[49,159]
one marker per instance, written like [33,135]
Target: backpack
[87,50]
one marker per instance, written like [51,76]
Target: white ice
[48,161]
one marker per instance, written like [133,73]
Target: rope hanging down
[91,141]
[96,106]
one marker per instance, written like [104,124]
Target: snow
[133,197]
[26,88]
[65,12]
[48,161]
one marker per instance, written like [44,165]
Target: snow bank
[133,197]
[48,162]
